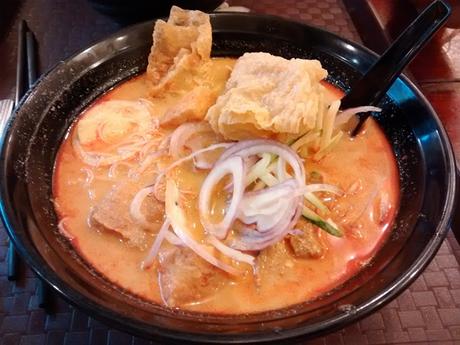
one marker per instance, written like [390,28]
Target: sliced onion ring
[182,160]
[136,205]
[230,252]
[322,187]
[199,161]
[344,116]
[173,239]
[281,173]
[182,133]
[145,163]
[150,258]
[250,239]
[175,214]
[259,146]
[235,167]
[63,231]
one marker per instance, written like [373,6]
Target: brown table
[428,312]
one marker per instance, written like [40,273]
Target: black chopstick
[12,262]
[43,290]
[20,62]
[31,53]
[26,74]
[13,259]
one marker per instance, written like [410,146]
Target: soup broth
[363,167]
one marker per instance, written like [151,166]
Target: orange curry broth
[364,166]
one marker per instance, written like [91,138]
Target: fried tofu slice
[184,277]
[191,107]
[180,46]
[268,95]
[113,212]
[306,245]
[273,266]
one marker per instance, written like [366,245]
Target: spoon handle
[377,80]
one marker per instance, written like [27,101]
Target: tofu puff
[269,95]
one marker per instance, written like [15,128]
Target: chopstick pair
[26,64]
[26,75]
[13,259]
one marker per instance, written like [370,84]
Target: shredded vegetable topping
[264,181]
[266,197]
[267,193]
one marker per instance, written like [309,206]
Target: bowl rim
[38,264]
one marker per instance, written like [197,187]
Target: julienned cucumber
[315,219]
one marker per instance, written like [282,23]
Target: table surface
[426,313]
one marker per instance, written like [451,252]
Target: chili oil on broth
[364,167]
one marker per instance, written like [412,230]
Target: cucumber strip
[321,113]
[321,153]
[259,168]
[315,219]
[269,179]
[310,197]
[315,201]
[304,139]
[272,167]
[328,124]
[258,185]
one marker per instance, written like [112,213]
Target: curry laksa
[224,185]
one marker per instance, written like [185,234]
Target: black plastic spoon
[370,89]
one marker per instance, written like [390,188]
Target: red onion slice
[178,223]
[150,258]
[282,225]
[281,173]
[201,250]
[199,161]
[63,230]
[322,187]
[272,209]
[250,239]
[112,173]
[145,163]
[173,239]
[265,207]
[266,223]
[277,190]
[230,252]
[247,219]
[268,206]
[164,144]
[136,205]
[235,167]
[89,177]
[182,160]
[259,146]
[344,116]
[183,133]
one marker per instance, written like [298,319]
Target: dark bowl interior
[425,158]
